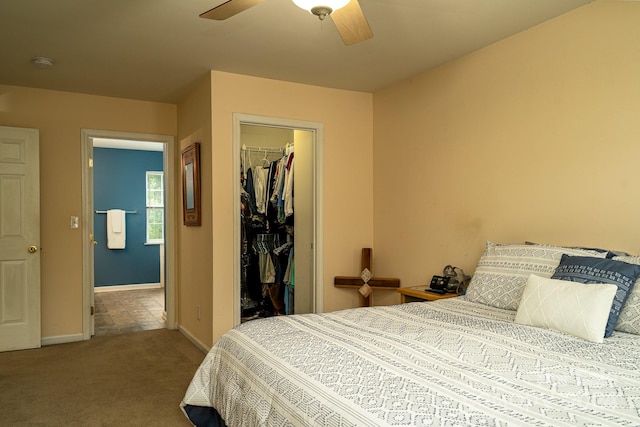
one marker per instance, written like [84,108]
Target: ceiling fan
[346,14]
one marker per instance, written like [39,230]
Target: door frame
[318,138]
[88,223]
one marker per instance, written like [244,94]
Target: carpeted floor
[135,379]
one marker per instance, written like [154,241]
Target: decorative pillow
[609,253]
[574,308]
[629,320]
[594,270]
[503,270]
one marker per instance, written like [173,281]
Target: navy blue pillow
[588,270]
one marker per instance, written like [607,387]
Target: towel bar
[129,212]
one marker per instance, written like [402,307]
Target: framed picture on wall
[191,184]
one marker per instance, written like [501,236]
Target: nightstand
[417,293]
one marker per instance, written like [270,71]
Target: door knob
[32,249]
[95,243]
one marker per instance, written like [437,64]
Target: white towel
[116,229]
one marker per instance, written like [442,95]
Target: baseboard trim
[114,288]
[204,348]
[61,339]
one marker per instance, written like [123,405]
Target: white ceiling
[155,49]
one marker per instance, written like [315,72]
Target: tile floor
[120,312]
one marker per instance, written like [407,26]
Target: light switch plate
[75,222]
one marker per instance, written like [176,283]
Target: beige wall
[264,136]
[195,247]
[348,220]
[347,117]
[60,116]
[533,138]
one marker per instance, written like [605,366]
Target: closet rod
[129,212]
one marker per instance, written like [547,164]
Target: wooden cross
[365,283]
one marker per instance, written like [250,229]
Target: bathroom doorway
[128,223]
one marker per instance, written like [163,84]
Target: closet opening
[277,218]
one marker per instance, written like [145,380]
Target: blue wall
[119,183]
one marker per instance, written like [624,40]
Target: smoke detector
[42,62]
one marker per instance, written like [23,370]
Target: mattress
[445,363]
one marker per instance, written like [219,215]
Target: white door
[303,221]
[19,239]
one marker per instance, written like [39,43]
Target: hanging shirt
[288,188]
[260,188]
[267,269]
[279,182]
[249,188]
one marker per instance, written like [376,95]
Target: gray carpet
[137,379]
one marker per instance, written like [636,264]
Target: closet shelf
[264,149]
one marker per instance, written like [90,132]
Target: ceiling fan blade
[228,9]
[351,23]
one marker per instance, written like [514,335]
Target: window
[155,207]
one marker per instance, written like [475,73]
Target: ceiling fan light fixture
[321,8]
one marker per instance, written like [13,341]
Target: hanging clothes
[267,242]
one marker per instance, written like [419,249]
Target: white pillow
[503,270]
[571,307]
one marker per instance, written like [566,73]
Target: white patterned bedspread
[444,363]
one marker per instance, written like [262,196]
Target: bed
[484,358]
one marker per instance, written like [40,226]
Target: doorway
[115,287]
[269,140]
